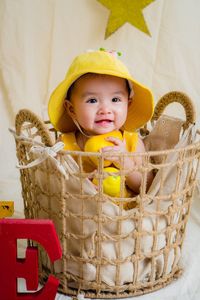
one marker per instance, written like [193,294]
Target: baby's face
[99,103]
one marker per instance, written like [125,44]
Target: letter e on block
[11,267]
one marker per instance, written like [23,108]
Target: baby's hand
[118,146]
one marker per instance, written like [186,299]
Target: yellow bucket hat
[100,62]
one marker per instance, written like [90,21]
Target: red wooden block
[11,267]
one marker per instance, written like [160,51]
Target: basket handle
[181,98]
[25,115]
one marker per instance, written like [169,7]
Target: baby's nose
[104,108]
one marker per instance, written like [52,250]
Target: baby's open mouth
[104,121]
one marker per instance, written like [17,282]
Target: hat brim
[141,107]
[139,112]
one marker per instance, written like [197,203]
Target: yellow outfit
[131,138]
[69,139]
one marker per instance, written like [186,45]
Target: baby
[99,96]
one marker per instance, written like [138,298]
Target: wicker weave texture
[109,252]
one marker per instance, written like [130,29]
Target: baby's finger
[106,149]
[112,158]
[114,140]
[110,153]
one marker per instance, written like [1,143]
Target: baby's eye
[115,99]
[92,100]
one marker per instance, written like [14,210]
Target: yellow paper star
[122,11]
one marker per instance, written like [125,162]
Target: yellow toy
[111,184]
[6,209]
[95,143]
[111,187]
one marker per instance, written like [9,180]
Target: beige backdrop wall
[38,40]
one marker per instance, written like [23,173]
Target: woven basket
[110,252]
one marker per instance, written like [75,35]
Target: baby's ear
[69,108]
[129,101]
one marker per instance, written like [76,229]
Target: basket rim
[194,145]
[145,153]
